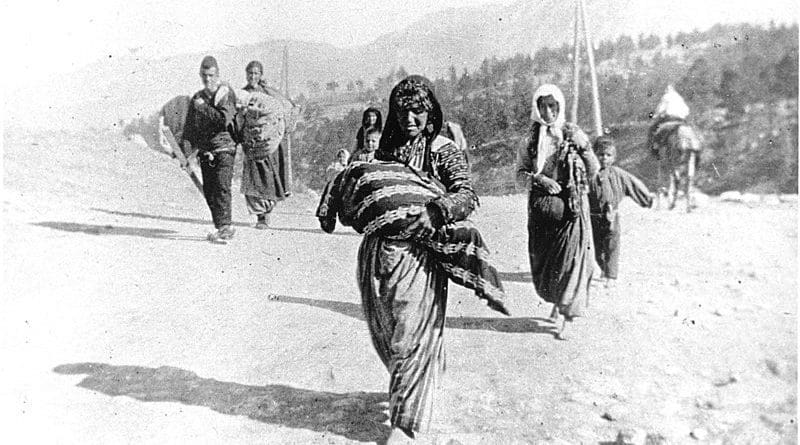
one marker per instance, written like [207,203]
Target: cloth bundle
[385,198]
[672,104]
[263,125]
[567,205]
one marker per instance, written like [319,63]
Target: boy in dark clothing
[607,189]
[208,131]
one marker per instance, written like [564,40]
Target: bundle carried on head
[385,198]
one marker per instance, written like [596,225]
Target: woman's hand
[548,184]
[422,228]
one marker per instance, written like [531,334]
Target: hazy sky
[61,36]
[47,36]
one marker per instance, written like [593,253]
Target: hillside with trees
[741,82]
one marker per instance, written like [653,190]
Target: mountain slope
[113,89]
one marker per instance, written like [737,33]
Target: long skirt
[263,178]
[404,295]
[562,262]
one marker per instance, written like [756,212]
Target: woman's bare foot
[561,330]
[399,437]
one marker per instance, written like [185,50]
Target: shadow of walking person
[202,221]
[108,229]
[356,415]
[532,325]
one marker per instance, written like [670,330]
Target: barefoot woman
[555,166]
[403,287]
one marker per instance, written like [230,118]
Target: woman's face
[253,77]
[412,122]
[548,108]
[372,119]
[342,157]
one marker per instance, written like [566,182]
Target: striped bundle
[385,198]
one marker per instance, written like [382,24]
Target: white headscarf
[545,150]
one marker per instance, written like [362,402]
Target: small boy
[372,139]
[606,191]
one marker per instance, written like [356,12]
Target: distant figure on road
[671,109]
[333,169]
[371,118]
[607,189]
[556,166]
[209,131]
[372,139]
[264,175]
[676,146]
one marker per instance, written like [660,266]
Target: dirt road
[121,325]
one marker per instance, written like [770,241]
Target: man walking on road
[209,131]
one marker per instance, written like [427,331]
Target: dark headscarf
[255,64]
[412,92]
[361,134]
[378,122]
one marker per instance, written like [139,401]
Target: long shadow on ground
[533,325]
[108,229]
[347,232]
[356,415]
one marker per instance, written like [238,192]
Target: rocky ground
[122,325]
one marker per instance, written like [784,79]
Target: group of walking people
[402,275]
[407,188]
[219,119]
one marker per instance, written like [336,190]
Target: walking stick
[176,149]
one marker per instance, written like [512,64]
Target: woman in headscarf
[371,118]
[556,166]
[264,175]
[403,287]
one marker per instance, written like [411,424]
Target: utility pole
[291,118]
[576,67]
[598,122]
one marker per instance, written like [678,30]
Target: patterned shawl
[385,198]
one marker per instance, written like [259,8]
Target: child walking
[607,189]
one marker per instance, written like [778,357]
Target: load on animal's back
[676,146]
[670,128]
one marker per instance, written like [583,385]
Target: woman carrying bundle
[556,167]
[264,175]
[412,204]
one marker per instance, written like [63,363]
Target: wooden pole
[598,122]
[576,67]
[285,85]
